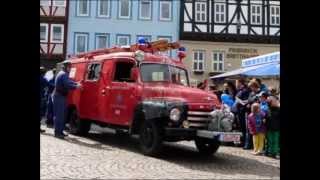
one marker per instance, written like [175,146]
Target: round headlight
[175,114]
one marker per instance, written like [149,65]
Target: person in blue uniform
[63,84]
[43,86]
[51,86]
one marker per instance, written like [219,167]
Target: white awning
[264,65]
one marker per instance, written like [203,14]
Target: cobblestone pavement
[105,155]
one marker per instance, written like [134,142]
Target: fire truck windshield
[164,72]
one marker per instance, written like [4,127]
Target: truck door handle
[103,92]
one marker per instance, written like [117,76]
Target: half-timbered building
[218,34]
[53,31]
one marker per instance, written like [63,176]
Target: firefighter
[49,121]
[62,86]
[43,86]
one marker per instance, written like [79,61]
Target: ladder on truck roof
[152,47]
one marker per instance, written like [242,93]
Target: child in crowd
[256,122]
[264,106]
[264,103]
[273,128]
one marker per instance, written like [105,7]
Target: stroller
[225,118]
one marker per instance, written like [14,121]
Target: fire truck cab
[144,93]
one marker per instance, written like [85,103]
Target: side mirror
[135,74]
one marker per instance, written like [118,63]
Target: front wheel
[150,138]
[78,126]
[207,146]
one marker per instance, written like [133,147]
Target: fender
[157,110]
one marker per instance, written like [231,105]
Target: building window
[103,8]
[123,40]
[218,61]
[60,3]
[146,37]
[145,9]
[57,33]
[124,9]
[198,60]
[43,32]
[168,38]
[201,11]
[219,13]
[256,14]
[275,15]
[81,42]
[45,3]
[102,41]
[83,8]
[165,10]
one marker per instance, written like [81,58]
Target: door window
[123,72]
[93,72]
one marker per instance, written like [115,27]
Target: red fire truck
[137,90]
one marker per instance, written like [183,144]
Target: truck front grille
[198,119]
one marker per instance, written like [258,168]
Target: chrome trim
[198,119]
[198,113]
[197,124]
[212,134]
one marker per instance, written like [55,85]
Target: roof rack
[152,47]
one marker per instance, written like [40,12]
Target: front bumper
[180,132]
[193,133]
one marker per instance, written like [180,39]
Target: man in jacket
[43,86]
[263,87]
[240,106]
[62,86]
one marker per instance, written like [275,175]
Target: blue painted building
[95,24]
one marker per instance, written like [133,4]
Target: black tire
[207,147]
[150,138]
[78,126]
[122,133]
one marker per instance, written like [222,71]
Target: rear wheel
[207,146]
[78,126]
[150,138]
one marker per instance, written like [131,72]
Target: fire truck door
[104,92]
[123,88]
[89,95]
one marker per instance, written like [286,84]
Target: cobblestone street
[104,155]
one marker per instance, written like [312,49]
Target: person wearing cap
[51,86]
[62,86]
[43,86]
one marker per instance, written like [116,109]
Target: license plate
[229,138]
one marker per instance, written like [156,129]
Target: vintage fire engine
[137,90]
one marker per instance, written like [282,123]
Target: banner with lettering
[263,59]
